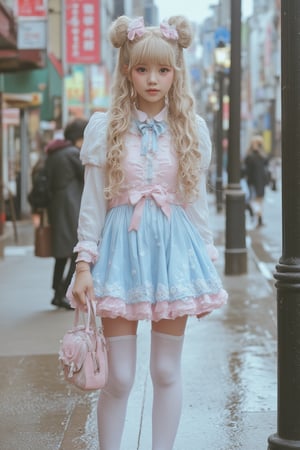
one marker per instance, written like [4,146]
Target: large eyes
[162,70]
[165,69]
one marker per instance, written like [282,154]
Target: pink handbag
[83,353]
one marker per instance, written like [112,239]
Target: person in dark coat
[65,174]
[256,169]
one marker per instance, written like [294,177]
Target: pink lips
[152,91]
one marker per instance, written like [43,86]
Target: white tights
[165,369]
[113,398]
[165,362]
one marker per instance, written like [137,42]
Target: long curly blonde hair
[153,46]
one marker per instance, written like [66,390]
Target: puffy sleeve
[93,204]
[198,210]
[93,150]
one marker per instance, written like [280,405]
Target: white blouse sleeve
[93,150]
[198,210]
[93,204]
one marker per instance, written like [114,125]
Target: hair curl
[153,46]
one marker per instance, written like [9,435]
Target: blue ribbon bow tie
[150,130]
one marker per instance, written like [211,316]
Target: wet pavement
[229,363]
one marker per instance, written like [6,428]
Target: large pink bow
[138,198]
[136,28]
[169,31]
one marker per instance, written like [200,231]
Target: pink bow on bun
[168,31]
[136,28]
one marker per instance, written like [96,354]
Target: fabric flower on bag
[73,351]
[136,28]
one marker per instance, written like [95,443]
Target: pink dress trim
[114,307]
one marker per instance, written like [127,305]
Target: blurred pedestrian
[246,190]
[38,197]
[65,174]
[275,172]
[256,170]
[143,225]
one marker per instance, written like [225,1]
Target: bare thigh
[123,327]
[174,327]
[119,327]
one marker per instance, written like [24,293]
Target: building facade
[42,88]
[260,72]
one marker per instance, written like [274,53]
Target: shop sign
[82,31]
[32,34]
[75,87]
[31,8]
[22,100]
[99,93]
[11,116]
[222,34]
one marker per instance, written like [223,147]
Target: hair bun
[184,30]
[118,31]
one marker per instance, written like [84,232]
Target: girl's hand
[83,287]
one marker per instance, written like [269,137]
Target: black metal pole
[235,237]
[219,171]
[288,269]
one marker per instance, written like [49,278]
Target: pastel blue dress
[151,256]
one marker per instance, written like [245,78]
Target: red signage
[31,8]
[82,31]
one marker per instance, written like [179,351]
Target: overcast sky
[196,10]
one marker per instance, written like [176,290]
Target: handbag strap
[91,322]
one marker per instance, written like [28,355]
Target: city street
[229,359]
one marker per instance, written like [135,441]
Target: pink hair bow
[136,28]
[168,31]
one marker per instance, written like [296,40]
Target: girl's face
[152,83]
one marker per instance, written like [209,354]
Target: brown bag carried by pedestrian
[42,239]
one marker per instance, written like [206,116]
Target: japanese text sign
[82,31]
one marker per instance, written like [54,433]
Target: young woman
[145,249]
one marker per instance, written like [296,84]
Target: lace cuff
[87,251]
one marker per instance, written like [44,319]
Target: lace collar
[143,117]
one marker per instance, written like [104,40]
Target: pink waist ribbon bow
[137,198]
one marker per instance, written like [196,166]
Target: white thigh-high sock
[113,398]
[165,368]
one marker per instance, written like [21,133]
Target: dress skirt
[160,271]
